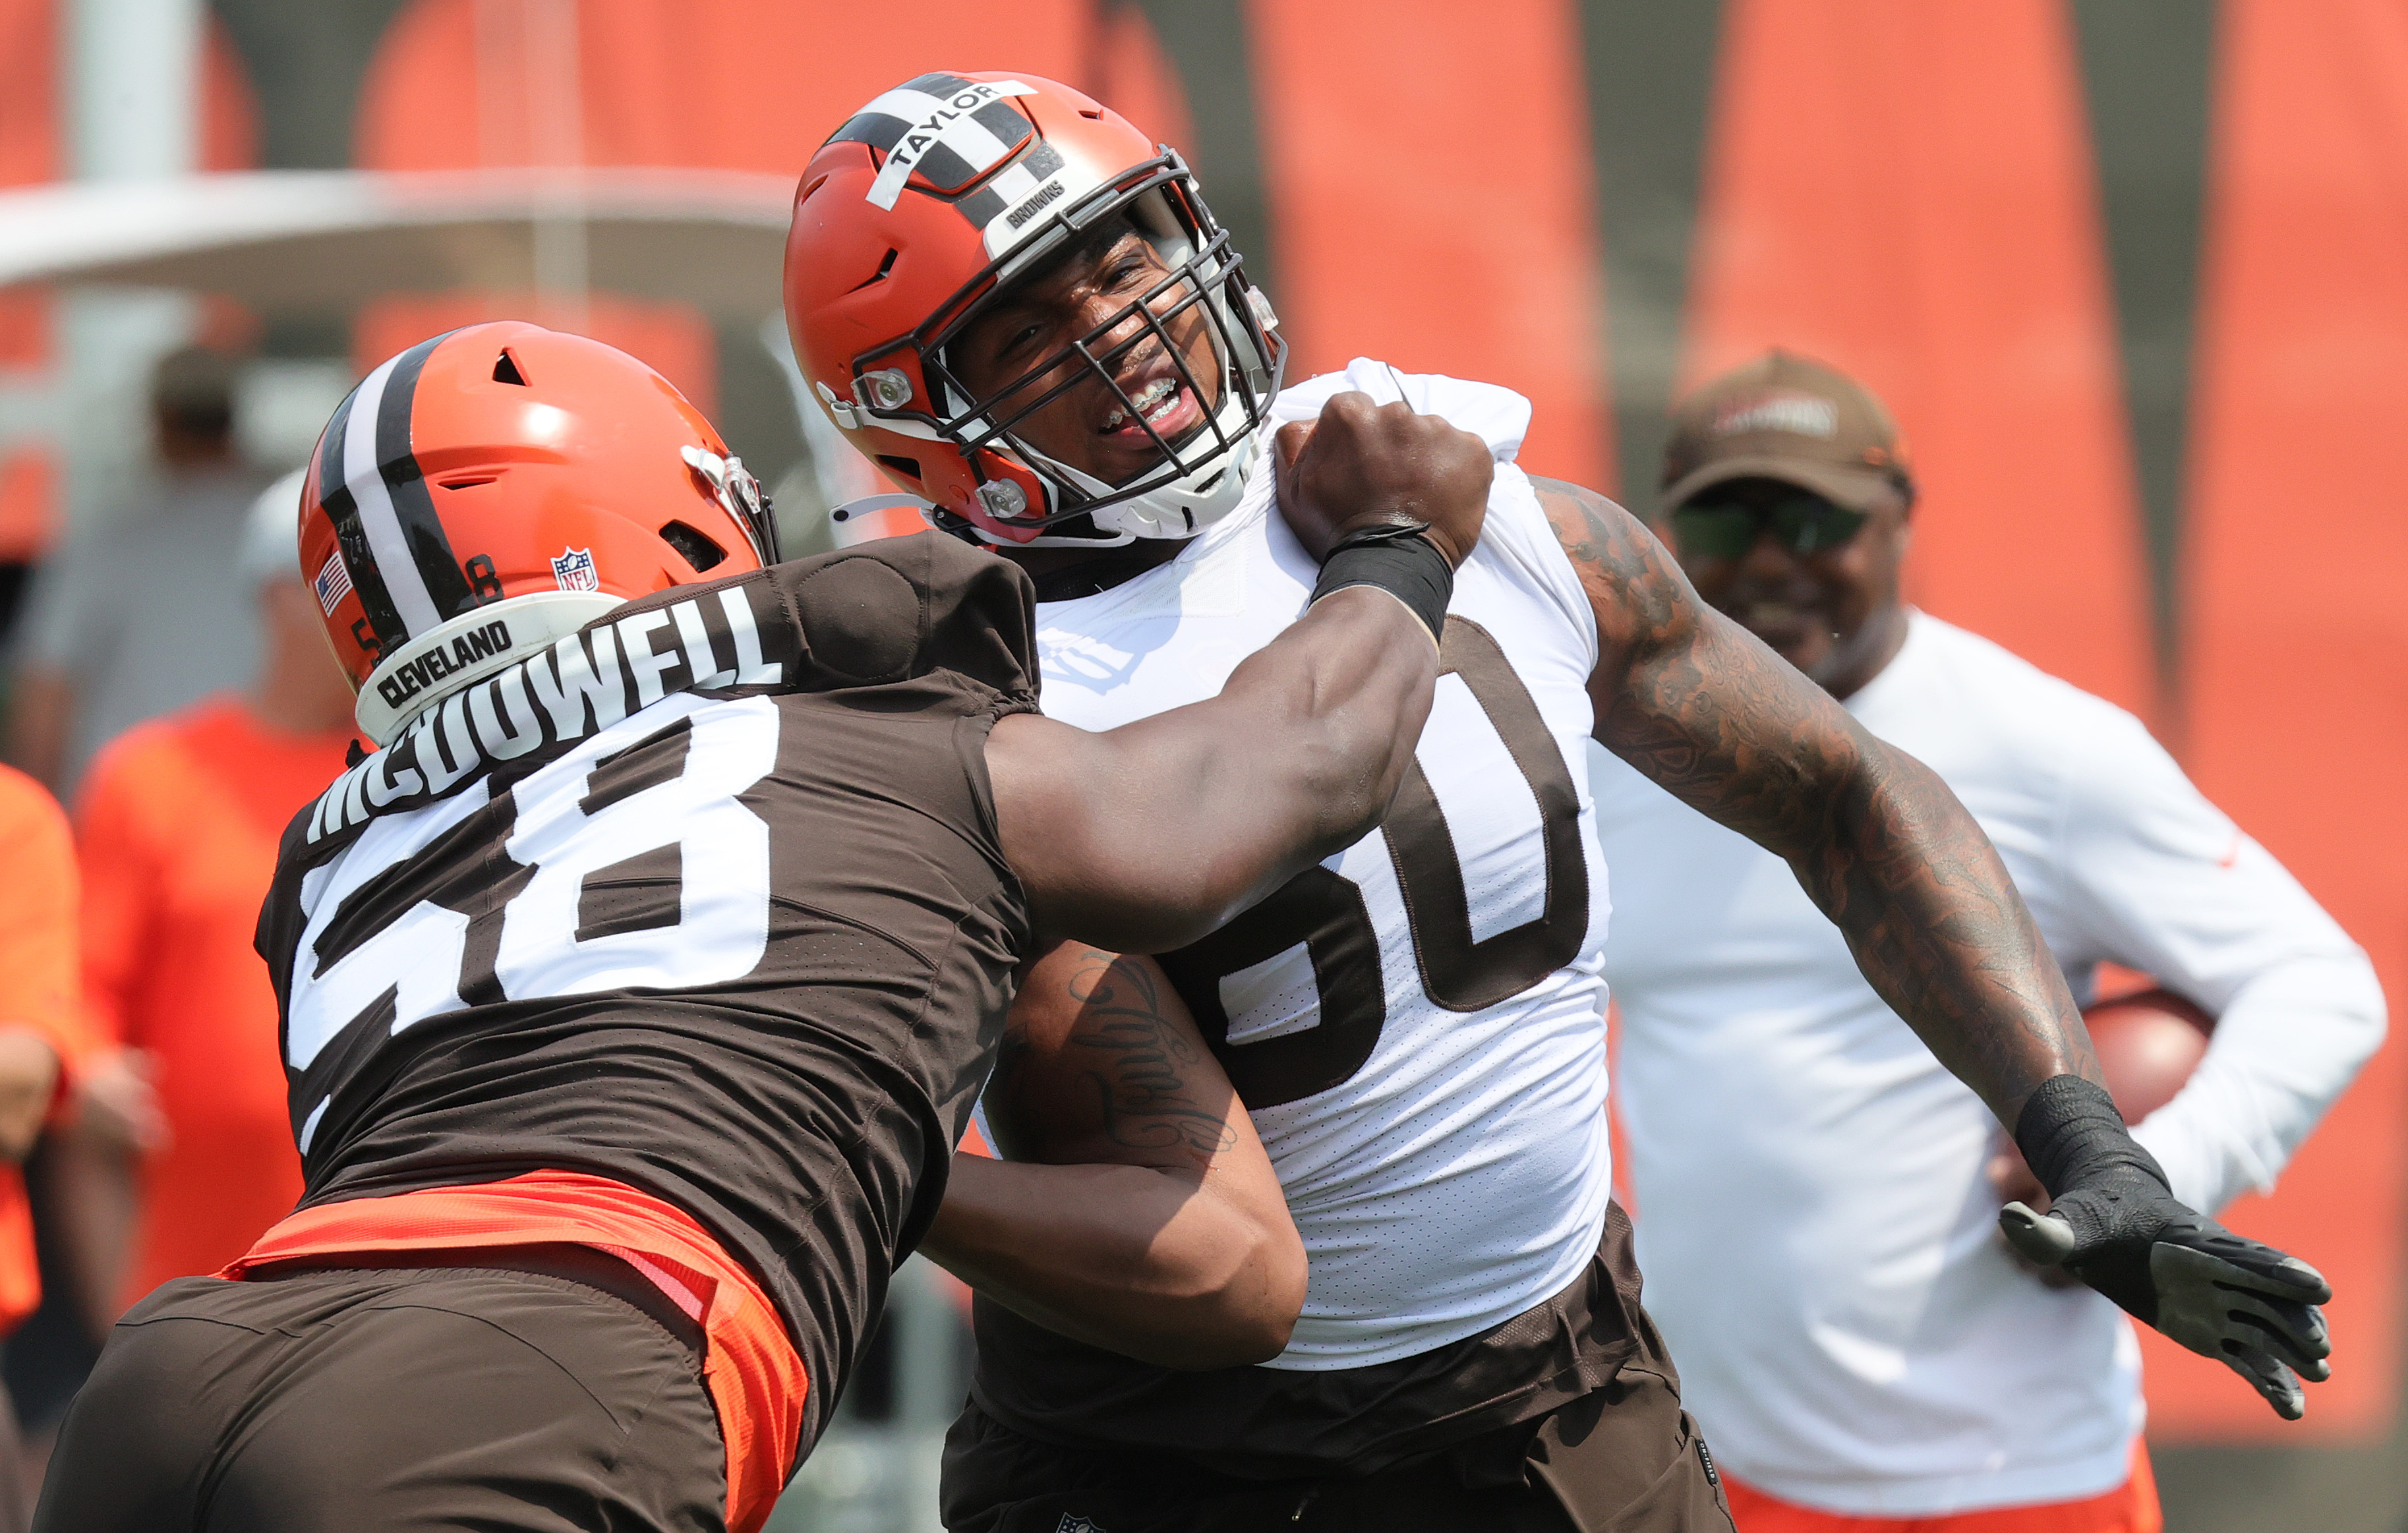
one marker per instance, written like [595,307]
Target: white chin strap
[1178,510]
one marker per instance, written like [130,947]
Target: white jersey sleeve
[2158,878]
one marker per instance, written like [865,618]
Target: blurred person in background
[1817,1195]
[177,826]
[147,613]
[41,1042]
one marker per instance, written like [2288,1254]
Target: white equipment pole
[557,136]
[132,113]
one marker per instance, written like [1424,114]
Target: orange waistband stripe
[755,1376]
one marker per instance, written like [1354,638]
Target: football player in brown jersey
[635,990]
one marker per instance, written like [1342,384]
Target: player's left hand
[2114,1223]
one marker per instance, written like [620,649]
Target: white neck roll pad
[470,647]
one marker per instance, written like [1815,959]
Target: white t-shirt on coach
[1814,1219]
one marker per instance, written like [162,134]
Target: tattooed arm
[1696,703]
[1138,1210]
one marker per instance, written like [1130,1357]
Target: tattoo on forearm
[1137,1063]
[1729,728]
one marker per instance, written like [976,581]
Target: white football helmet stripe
[364,476]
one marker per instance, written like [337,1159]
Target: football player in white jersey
[1893,1367]
[1020,308]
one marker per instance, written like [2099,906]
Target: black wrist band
[2071,1133]
[1396,558]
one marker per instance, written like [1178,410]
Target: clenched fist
[1362,465]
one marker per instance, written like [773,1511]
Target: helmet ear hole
[506,370]
[692,544]
[907,467]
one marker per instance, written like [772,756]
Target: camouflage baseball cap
[1788,418]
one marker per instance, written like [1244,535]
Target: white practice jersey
[1416,1024]
[1818,1230]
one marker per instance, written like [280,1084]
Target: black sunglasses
[1805,522]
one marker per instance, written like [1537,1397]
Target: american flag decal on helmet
[949,130]
[334,582]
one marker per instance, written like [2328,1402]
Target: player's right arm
[1146,837]
[1700,707]
[1136,1209]
[1714,718]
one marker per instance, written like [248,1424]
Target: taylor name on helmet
[975,180]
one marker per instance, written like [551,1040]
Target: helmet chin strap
[1049,541]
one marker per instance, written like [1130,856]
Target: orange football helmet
[929,203]
[498,487]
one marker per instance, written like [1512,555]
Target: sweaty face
[1014,350]
[1833,612]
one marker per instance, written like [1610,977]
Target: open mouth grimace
[1163,403]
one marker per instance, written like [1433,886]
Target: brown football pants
[516,1401]
[1622,1459]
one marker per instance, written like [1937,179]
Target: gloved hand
[2113,1223]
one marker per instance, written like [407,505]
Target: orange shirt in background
[37,990]
[177,826]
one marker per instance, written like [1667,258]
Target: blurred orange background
[2144,359]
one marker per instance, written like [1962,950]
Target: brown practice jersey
[706,899]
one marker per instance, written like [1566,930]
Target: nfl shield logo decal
[1072,1522]
[573,570]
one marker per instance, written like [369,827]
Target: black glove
[2113,1223]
